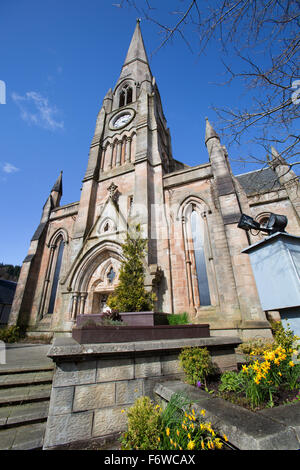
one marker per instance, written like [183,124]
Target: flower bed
[269,377]
[177,427]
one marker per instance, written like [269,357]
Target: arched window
[200,273]
[200,262]
[60,248]
[125,96]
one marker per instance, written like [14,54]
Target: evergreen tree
[130,295]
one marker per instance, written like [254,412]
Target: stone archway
[101,285]
[95,276]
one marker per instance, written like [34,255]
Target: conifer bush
[130,295]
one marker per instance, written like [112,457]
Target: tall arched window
[198,245]
[125,96]
[60,248]
[200,274]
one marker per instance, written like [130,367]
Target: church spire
[136,49]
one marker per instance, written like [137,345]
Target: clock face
[121,121]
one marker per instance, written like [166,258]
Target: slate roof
[7,291]
[258,181]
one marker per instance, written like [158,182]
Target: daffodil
[191,445]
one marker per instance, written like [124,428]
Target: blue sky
[58,59]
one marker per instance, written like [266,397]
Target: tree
[130,295]
[263,36]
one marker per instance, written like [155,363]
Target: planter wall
[93,383]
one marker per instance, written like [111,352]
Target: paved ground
[21,355]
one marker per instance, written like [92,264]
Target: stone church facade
[188,214]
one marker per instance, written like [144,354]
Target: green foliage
[144,426]
[112,318]
[9,271]
[255,346]
[130,295]
[284,337]
[197,364]
[178,319]
[177,427]
[10,334]
[232,382]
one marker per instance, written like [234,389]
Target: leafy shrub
[256,346]
[177,427]
[197,364]
[10,334]
[144,426]
[283,336]
[178,319]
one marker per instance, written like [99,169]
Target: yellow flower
[245,368]
[225,437]
[171,440]
[189,436]
[218,443]
[168,431]
[177,432]
[122,411]
[193,411]
[202,412]
[291,364]
[202,444]
[191,445]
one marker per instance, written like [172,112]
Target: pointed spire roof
[136,49]
[58,184]
[209,131]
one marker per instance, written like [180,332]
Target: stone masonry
[188,214]
[94,384]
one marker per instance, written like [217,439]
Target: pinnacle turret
[210,132]
[57,187]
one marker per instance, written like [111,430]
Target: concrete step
[15,415]
[27,437]
[8,369]
[25,394]
[26,378]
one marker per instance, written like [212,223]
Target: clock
[121,119]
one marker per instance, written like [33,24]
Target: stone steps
[24,404]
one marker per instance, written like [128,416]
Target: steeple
[136,49]
[136,66]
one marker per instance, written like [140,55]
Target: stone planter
[95,333]
[129,318]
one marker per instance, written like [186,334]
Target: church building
[189,216]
